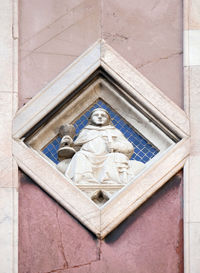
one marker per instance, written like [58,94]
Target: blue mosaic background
[143,150]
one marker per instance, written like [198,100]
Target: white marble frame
[101,220]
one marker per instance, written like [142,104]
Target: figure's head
[99,117]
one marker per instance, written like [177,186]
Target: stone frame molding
[102,220]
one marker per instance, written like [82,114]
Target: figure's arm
[121,145]
[81,139]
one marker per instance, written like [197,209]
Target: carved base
[66,152]
[100,193]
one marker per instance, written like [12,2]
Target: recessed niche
[148,138]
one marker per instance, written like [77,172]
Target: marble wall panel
[192,173]
[191,47]
[8,168]
[194,247]
[8,229]
[149,35]
[42,14]
[191,15]
[50,239]
[150,240]
[6,46]
[47,46]
[194,108]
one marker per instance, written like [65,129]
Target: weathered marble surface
[192,47]
[8,230]
[52,240]
[150,37]
[192,172]
[8,105]
[52,38]
[191,15]
[147,34]
[49,237]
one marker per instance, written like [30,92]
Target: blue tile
[149,154]
[143,141]
[87,114]
[118,126]
[50,147]
[85,123]
[145,150]
[82,119]
[127,134]
[104,107]
[138,158]
[45,151]
[152,149]
[136,150]
[121,122]
[78,122]
[146,159]
[140,146]
[141,154]
[132,139]
[100,102]
[117,118]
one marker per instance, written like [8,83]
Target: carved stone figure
[66,149]
[67,133]
[103,156]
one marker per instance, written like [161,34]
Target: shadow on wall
[26,180]
[174,182]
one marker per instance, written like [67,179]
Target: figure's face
[99,118]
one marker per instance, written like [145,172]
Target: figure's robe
[96,162]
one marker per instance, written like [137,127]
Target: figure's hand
[113,147]
[66,141]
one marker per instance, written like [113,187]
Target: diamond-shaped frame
[101,220]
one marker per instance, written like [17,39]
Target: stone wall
[147,34]
[149,240]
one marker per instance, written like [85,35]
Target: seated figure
[104,154]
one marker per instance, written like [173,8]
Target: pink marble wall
[51,240]
[54,33]
[149,35]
